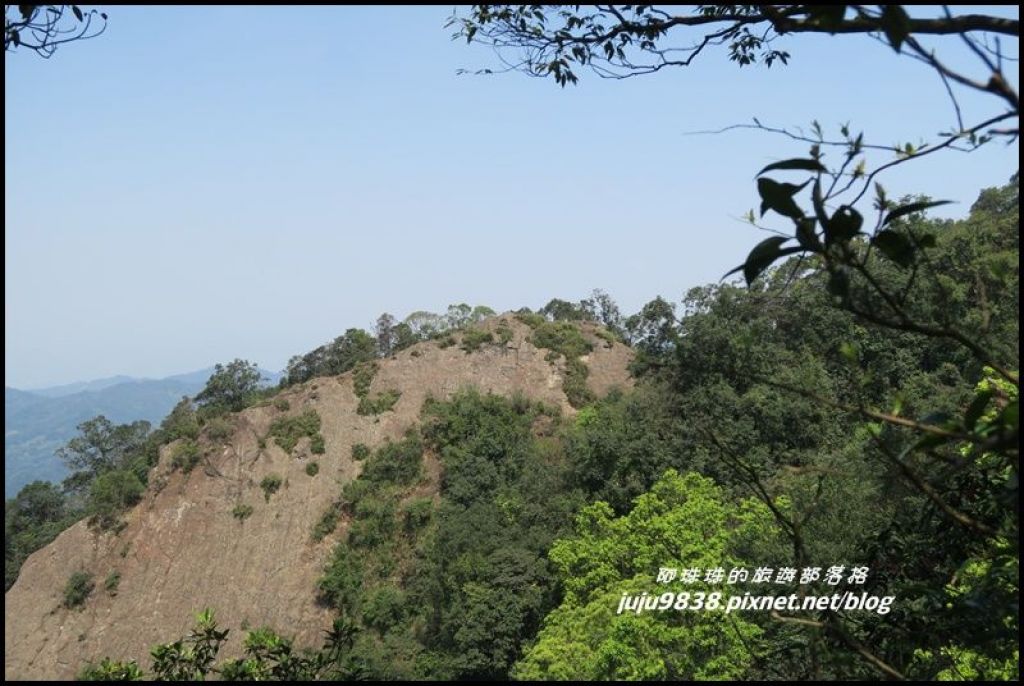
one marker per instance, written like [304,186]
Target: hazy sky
[200,184]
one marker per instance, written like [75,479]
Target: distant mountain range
[39,421]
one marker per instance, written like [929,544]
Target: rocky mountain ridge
[214,537]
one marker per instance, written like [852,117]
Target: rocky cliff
[183,547]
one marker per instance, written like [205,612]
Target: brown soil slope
[183,549]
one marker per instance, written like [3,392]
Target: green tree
[191,658]
[424,325]
[36,503]
[456,589]
[911,394]
[403,337]
[112,493]
[685,521]
[230,388]
[100,447]
[79,587]
[563,311]
[268,656]
[337,357]
[479,313]
[387,337]
[602,308]
[110,670]
[622,444]
[458,316]
[32,519]
[652,332]
[111,462]
[181,422]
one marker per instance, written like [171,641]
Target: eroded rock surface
[183,549]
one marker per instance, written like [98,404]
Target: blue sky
[200,184]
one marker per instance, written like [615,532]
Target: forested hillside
[491,490]
[37,424]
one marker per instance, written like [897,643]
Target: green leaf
[910,208]
[849,351]
[796,164]
[844,225]
[762,256]
[1010,416]
[881,199]
[896,247]
[976,409]
[779,197]
[997,270]
[819,204]
[895,24]
[806,236]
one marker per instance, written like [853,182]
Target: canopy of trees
[804,422]
[820,437]
[231,387]
[853,402]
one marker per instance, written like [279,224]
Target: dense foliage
[795,408]
[770,425]
[287,431]
[232,387]
[684,521]
[355,346]
[32,519]
[267,656]
[111,465]
[856,403]
[453,587]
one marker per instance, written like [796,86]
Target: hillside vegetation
[489,489]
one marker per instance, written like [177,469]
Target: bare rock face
[184,549]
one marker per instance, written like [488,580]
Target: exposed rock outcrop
[183,549]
